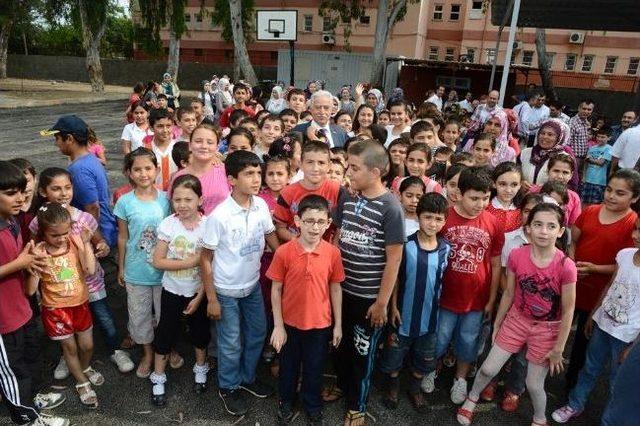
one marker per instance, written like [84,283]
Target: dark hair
[130,158]
[187,181]
[557,104]
[141,104]
[138,87]
[196,100]
[11,177]
[373,155]
[562,157]
[484,136]
[551,186]
[421,126]
[294,91]
[305,113]
[399,141]
[384,111]
[338,162]
[272,117]
[505,167]
[340,114]
[261,116]
[604,130]
[24,165]
[338,150]
[395,103]
[433,114]
[453,170]
[313,202]
[531,197]
[180,153]
[249,120]
[237,161]
[460,156]
[46,177]
[206,126]
[587,101]
[184,110]
[443,150]
[632,177]
[274,160]
[315,146]
[237,115]
[162,96]
[288,112]
[283,147]
[410,181]
[378,133]
[356,123]
[51,214]
[432,202]
[474,178]
[159,114]
[422,148]
[561,242]
[241,131]
[241,86]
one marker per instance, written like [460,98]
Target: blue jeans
[603,349]
[423,352]
[104,318]
[241,334]
[623,408]
[463,329]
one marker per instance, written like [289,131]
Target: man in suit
[320,106]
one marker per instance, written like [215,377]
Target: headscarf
[275,105]
[378,95]
[540,156]
[503,151]
[224,92]
[397,94]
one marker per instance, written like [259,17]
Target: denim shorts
[423,352]
[463,330]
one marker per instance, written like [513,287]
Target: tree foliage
[156,15]
[221,16]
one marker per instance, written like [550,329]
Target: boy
[315,167]
[398,116]
[236,232]
[270,130]
[289,119]
[451,134]
[470,283]
[370,237]
[596,165]
[161,144]
[19,337]
[180,154]
[235,119]
[163,102]
[187,121]
[88,176]
[297,101]
[424,132]
[414,306]
[197,106]
[306,274]
[241,94]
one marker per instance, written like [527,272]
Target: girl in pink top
[417,162]
[536,310]
[206,166]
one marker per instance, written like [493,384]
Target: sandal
[465,416]
[175,360]
[355,418]
[94,377]
[332,393]
[142,372]
[88,398]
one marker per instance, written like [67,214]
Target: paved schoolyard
[124,399]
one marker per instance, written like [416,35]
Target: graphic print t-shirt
[538,290]
[62,283]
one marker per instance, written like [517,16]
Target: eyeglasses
[311,222]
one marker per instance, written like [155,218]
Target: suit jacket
[338,135]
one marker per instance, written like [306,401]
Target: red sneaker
[510,402]
[488,394]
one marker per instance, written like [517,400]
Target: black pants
[19,365]
[356,354]
[169,329]
[309,348]
[578,350]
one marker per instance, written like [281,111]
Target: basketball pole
[292,79]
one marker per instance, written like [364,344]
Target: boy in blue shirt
[414,307]
[596,165]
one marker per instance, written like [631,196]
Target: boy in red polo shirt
[306,274]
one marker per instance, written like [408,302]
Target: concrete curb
[31,103]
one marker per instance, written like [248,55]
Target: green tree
[13,13]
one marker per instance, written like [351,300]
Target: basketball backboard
[276,25]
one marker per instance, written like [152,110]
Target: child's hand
[337,336]
[488,311]
[396,318]
[359,90]
[585,268]
[311,132]
[624,353]
[86,233]
[121,277]
[102,249]
[526,186]
[214,311]
[555,361]
[193,305]
[193,260]
[278,338]
[377,314]
[218,159]
[33,257]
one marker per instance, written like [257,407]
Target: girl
[134,133]
[344,120]
[484,145]
[55,186]
[65,311]
[557,191]
[207,96]
[497,126]
[288,148]
[411,190]
[240,139]
[365,117]
[177,254]
[561,168]
[536,309]
[417,163]
[384,118]
[346,103]
[507,179]
[277,171]
[337,171]
[451,134]
[451,190]
[94,145]
[397,154]
[139,213]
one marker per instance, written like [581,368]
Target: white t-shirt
[627,148]
[437,101]
[183,243]
[391,137]
[619,314]
[512,240]
[236,235]
[135,134]
[411,226]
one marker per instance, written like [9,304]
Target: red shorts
[62,323]
[539,336]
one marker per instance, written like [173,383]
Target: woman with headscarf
[312,87]
[207,96]
[498,126]
[170,88]
[534,160]
[397,94]
[276,102]
[223,96]
[375,100]
[451,100]
[346,102]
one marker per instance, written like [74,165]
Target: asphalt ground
[125,399]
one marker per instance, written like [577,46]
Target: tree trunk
[173,61]
[385,20]
[543,65]
[91,44]
[240,46]
[5,30]
[237,72]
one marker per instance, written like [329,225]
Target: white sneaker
[200,372]
[122,360]
[47,420]
[62,371]
[47,401]
[428,384]
[459,391]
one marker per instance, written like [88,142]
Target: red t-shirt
[291,195]
[224,117]
[467,279]
[599,244]
[305,278]
[15,311]
[510,219]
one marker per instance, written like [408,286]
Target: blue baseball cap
[68,125]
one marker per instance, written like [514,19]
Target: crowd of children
[396,239]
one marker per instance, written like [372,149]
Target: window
[197,52]
[570,62]
[365,20]
[187,17]
[551,56]
[450,54]
[198,17]
[471,55]
[457,83]
[433,53]
[455,12]
[327,23]
[476,10]
[587,63]
[308,23]
[610,65]
[476,5]
[633,66]
[527,57]
[438,11]
[491,56]
[514,56]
